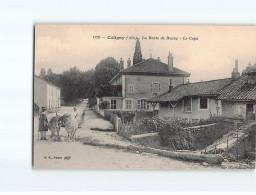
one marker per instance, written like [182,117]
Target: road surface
[75,155]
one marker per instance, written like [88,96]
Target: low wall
[139,115]
[197,137]
[148,139]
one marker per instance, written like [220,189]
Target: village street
[76,155]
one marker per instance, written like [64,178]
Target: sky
[211,53]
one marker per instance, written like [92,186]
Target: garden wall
[134,115]
[197,137]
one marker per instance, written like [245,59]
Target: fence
[237,144]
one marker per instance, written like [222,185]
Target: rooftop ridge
[206,81]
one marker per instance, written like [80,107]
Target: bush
[104,105]
[126,117]
[92,102]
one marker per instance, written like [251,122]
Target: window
[203,103]
[113,104]
[131,88]
[187,104]
[128,104]
[155,87]
[143,104]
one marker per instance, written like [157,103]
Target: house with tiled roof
[191,100]
[142,81]
[233,97]
[239,98]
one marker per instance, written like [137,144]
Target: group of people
[44,123]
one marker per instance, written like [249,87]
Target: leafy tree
[105,70]
[76,84]
[49,72]
[249,68]
[137,57]
[42,72]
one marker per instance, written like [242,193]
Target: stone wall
[197,137]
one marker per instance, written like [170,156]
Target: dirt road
[49,154]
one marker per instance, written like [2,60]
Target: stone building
[142,81]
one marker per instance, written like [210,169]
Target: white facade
[46,94]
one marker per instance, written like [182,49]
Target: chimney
[170,86]
[158,59]
[170,62]
[235,74]
[121,64]
[236,65]
[129,63]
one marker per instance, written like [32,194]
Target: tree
[105,70]
[137,57]
[71,84]
[49,72]
[42,72]
[249,68]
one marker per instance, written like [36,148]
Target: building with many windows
[142,81]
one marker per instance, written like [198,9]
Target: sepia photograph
[144,97]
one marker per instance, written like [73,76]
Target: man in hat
[43,123]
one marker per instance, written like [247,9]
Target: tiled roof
[151,67]
[206,88]
[239,91]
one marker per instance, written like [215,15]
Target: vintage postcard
[144,97]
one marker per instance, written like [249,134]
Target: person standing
[74,108]
[43,123]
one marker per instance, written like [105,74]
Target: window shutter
[151,86]
[138,104]
[159,87]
